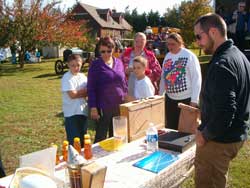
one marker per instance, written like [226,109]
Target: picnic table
[121,172]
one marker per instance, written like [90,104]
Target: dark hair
[178,38]
[107,41]
[210,20]
[73,57]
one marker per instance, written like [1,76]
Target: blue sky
[120,5]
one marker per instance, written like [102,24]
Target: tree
[189,11]
[172,17]
[33,25]
[154,18]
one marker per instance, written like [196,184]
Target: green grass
[30,110]
[31,118]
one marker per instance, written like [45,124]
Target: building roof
[99,15]
[103,23]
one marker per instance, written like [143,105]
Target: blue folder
[156,161]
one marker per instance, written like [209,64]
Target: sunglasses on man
[105,51]
[198,36]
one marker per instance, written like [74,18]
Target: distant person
[27,57]
[180,80]
[143,85]
[225,104]
[240,17]
[107,89]
[13,49]
[38,56]
[74,91]
[139,49]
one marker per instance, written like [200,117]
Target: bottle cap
[87,141]
[76,139]
[151,124]
[86,136]
[65,143]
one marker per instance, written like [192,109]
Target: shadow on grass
[60,115]
[11,70]
[49,75]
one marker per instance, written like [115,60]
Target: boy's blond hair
[142,60]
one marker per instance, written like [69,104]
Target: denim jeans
[75,126]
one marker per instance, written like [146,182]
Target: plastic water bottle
[152,138]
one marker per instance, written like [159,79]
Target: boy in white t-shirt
[74,90]
[143,85]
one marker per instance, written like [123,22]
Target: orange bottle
[87,149]
[57,155]
[65,150]
[77,144]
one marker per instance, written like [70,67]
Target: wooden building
[102,22]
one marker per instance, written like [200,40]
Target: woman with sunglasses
[106,88]
[180,80]
[139,49]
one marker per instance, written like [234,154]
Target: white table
[121,173]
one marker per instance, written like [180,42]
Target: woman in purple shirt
[106,88]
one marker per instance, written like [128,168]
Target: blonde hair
[142,60]
[140,34]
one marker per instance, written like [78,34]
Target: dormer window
[108,16]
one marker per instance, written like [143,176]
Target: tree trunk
[21,58]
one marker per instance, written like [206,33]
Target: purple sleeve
[125,85]
[91,86]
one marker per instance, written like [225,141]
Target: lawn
[31,118]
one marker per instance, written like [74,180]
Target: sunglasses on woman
[105,51]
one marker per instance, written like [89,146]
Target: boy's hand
[128,71]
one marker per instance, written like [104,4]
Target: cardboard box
[189,118]
[140,113]
[93,175]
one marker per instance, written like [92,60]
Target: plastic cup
[75,176]
[120,129]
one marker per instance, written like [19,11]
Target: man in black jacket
[225,103]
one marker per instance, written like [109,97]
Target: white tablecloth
[122,174]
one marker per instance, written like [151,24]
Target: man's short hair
[210,20]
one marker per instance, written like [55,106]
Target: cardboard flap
[189,118]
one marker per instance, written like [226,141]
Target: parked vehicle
[61,65]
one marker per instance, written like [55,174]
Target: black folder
[176,141]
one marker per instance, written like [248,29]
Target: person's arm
[195,75]
[162,81]
[223,101]
[155,68]
[74,94]
[125,61]
[91,85]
